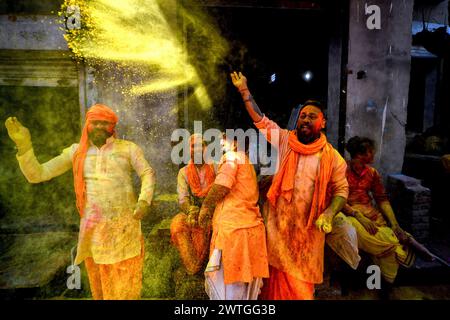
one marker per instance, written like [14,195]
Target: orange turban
[96,112]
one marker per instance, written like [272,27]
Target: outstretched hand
[18,133]
[239,80]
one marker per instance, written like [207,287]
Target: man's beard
[309,137]
[99,136]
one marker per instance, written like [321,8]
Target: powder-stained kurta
[184,190]
[108,232]
[238,228]
[359,198]
[292,247]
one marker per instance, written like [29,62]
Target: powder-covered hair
[359,145]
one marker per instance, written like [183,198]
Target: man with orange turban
[307,191]
[194,182]
[110,240]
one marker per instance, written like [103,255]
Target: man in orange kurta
[238,255]
[110,241]
[307,191]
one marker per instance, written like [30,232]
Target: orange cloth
[118,281]
[238,228]
[184,189]
[194,180]
[96,112]
[191,242]
[292,248]
[180,225]
[283,181]
[282,286]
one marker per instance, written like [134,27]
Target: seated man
[379,233]
[194,182]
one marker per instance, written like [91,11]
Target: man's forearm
[147,184]
[336,205]
[387,211]
[36,172]
[251,106]
[215,195]
[22,149]
[347,209]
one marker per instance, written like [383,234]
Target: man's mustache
[96,131]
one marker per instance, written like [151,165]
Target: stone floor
[423,281]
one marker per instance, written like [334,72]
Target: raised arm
[33,171]
[240,82]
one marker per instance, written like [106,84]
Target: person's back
[241,203]
[238,254]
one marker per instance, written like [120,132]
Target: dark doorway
[275,48]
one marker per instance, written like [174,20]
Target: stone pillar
[334,76]
[377,102]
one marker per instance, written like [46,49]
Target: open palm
[239,80]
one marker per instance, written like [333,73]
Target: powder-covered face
[99,131]
[368,157]
[228,144]
[197,148]
[310,122]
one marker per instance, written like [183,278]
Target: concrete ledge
[33,32]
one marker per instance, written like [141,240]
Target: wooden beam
[267,4]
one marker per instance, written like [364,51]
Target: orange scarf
[283,181]
[194,180]
[96,112]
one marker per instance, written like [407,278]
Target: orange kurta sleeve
[338,184]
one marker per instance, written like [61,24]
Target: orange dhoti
[191,242]
[117,281]
[282,286]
